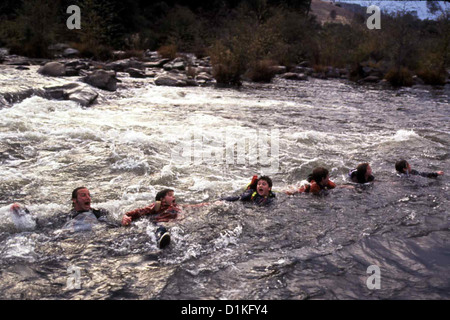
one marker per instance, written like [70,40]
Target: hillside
[322,10]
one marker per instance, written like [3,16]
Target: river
[207,142]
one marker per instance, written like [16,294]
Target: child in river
[163,209]
[318,180]
[258,192]
[362,173]
[404,168]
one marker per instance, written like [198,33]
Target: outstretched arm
[136,214]
[203,204]
[427,174]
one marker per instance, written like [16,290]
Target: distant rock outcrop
[326,11]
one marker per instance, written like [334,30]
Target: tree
[33,29]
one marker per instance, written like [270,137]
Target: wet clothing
[158,212]
[251,195]
[422,174]
[98,213]
[314,187]
[85,220]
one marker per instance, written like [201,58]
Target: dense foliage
[239,35]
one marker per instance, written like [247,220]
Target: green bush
[261,71]
[98,52]
[168,51]
[229,64]
[182,28]
[399,77]
[432,77]
[33,30]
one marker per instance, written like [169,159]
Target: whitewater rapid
[206,142]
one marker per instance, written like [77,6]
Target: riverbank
[80,79]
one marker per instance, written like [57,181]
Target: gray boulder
[304,64]
[332,73]
[156,64]
[82,94]
[152,55]
[16,61]
[171,80]
[176,64]
[122,65]
[278,69]
[102,79]
[53,69]
[294,76]
[70,52]
[85,96]
[203,69]
[136,73]
[371,79]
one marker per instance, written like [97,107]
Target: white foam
[405,135]
[20,246]
[227,237]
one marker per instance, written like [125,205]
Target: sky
[419,6]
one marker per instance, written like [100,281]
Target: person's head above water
[81,199]
[363,173]
[166,195]
[264,186]
[320,175]
[402,166]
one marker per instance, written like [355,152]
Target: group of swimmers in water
[259,192]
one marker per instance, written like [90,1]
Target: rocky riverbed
[81,78]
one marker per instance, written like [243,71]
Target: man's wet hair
[401,165]
[267,179]
[75,192]
[160,195]
[318,174]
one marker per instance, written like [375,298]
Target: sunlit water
[208,142]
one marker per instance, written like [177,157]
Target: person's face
[325,180]
[408,168]
[369,171]
[83,200]
[263,188]
[169,199]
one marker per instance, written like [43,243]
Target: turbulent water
[206,143]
